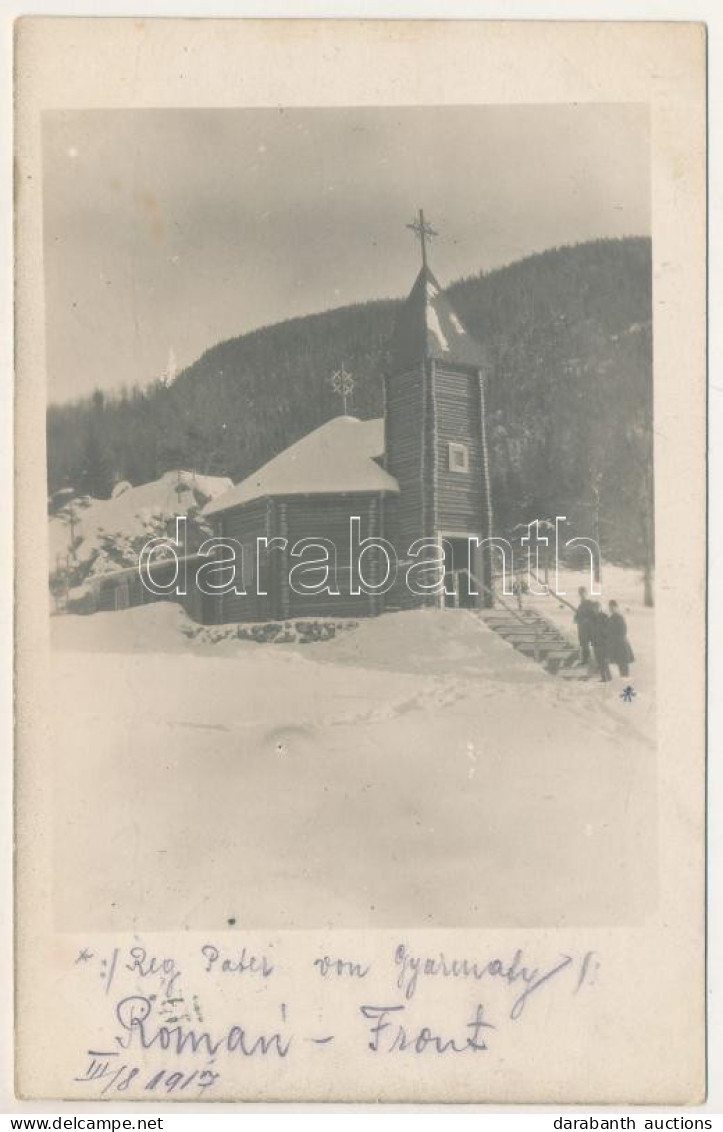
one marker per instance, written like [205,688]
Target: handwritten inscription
[514,973]
[121,1077]
[390,1035]
[159,1043]
[341,968]
[240,964]
[135,1015]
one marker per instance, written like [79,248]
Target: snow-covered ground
[414,772]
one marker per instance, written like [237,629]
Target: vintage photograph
[351,517]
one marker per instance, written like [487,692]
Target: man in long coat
[599,641]
[585,620]
[618,648]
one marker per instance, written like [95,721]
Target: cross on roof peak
[423,231]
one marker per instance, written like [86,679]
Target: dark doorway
[457,582]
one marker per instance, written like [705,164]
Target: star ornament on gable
[342,383]
[628,694]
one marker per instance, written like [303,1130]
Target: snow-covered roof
[128,513]
[339,456]
[428,327]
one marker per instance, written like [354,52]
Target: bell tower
[435,439]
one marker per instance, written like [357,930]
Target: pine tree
[96,472]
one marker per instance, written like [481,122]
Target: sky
[178,229]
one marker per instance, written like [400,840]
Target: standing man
[585,620]
[618,648]
[600,641]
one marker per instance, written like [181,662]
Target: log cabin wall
[460,493]
[428,410]
[295,518]
[409,458]
[328,517]
[244,524]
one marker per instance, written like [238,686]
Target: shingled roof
[339,456]
[429,328]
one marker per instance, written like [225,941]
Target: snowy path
[418,772]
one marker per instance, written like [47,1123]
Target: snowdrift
[381,779]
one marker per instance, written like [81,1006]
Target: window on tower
[458,458]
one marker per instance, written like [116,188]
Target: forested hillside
[569,335]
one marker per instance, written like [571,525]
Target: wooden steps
[535,637]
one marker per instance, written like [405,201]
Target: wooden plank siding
[488,512]
[245,525]
[409,460]
[328,517]
[460,495]
[294,518]
[427,410]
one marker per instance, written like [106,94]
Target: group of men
[605,633]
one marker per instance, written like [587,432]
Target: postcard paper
[360,560]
